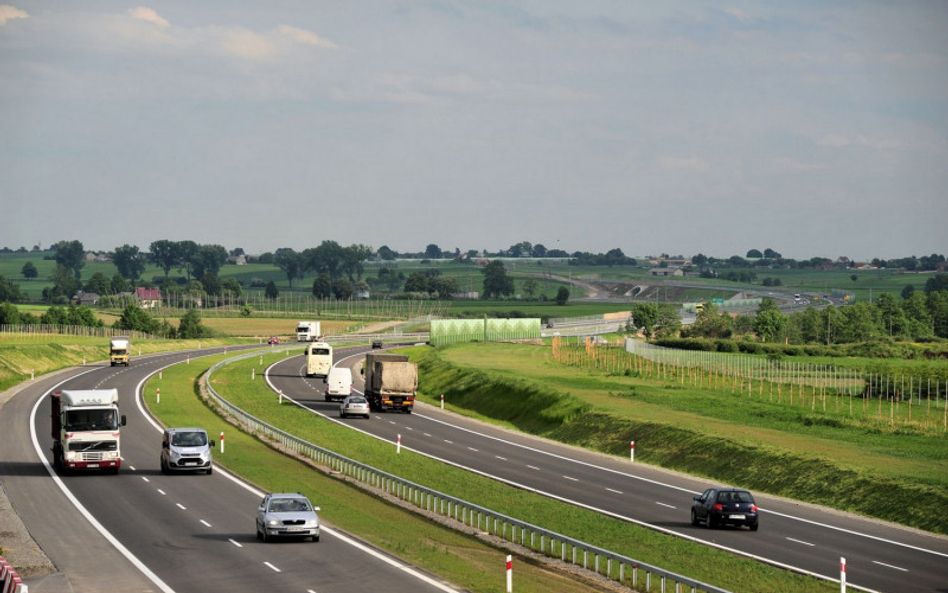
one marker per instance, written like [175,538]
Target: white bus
[318,359]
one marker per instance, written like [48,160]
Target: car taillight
[753,508]
[719,507]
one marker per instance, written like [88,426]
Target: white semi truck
[307,331]
[85,426]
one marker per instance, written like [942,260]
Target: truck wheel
[408,410]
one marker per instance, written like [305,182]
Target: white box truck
[307,331]
[120,350]
[85,426]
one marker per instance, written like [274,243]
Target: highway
[144,531]
[801,537]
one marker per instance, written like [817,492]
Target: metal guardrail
[604,562]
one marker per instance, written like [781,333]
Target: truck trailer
[120,350]
[307,331]
[85,426]
[390,382]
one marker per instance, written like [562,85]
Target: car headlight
[273,523]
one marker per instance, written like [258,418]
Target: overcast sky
[812,128]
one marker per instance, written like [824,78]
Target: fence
[604,562]
[897,400]
[43,329]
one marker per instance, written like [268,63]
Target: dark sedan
[725,506]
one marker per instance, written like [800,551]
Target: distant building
[86,298]
[148,298]
[669,271]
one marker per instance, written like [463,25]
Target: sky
[814,128]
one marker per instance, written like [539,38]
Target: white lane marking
[500,458]
[657,483]
[449,442]
[162,492]
[235,542]
[614,491]
[409,428]
[427,434]
[890,566]
[205,523]
[146,478]
[391,422]
[472,449]
[131,467]
[571,478]
[275,569]
[533,467]
[800,541]
[665,505]
[181,506]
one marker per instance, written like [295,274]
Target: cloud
[837,141]
[692,163]
[8,12]
[788,164]
[305,37]
[148,15]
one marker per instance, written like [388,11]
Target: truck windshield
[91,420]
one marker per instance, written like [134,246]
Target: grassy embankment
[680,556]
[800,453]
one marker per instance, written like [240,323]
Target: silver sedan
[287,515]
[354,405]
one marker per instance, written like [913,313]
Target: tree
[9,314]
[119,284]
[129,261]
[645,318]
[29,271]
[232,287]
[187,257]
[530,287]
[754,254]
[211,283]
[70,255]
[387,254]
[10,292]
[496,281]
[711,324]
[65,284]
[190,326]
[770,322]
[562,295]
[352,258]
[416,282]
[854,277]
[290,262]
[271,291]
[135,318]
[207,259]
[328,258]
[907,290]
[164,254]
[99,284]
[938,308]
[322,286]
[936,283]
[771,254]
[432,251]
[539,250]
[342,289]
[699,260]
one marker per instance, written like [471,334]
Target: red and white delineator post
[509,574]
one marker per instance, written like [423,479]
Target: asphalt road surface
[144,531]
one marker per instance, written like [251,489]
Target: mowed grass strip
[788,451]
[465,561]
[645,545]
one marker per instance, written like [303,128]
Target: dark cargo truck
[390,382]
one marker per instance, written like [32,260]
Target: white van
[338,383]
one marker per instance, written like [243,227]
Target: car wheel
[711,522]
[754,527]
[164,468]
[315,538]
[366,416]
[210,469]
[694,517]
